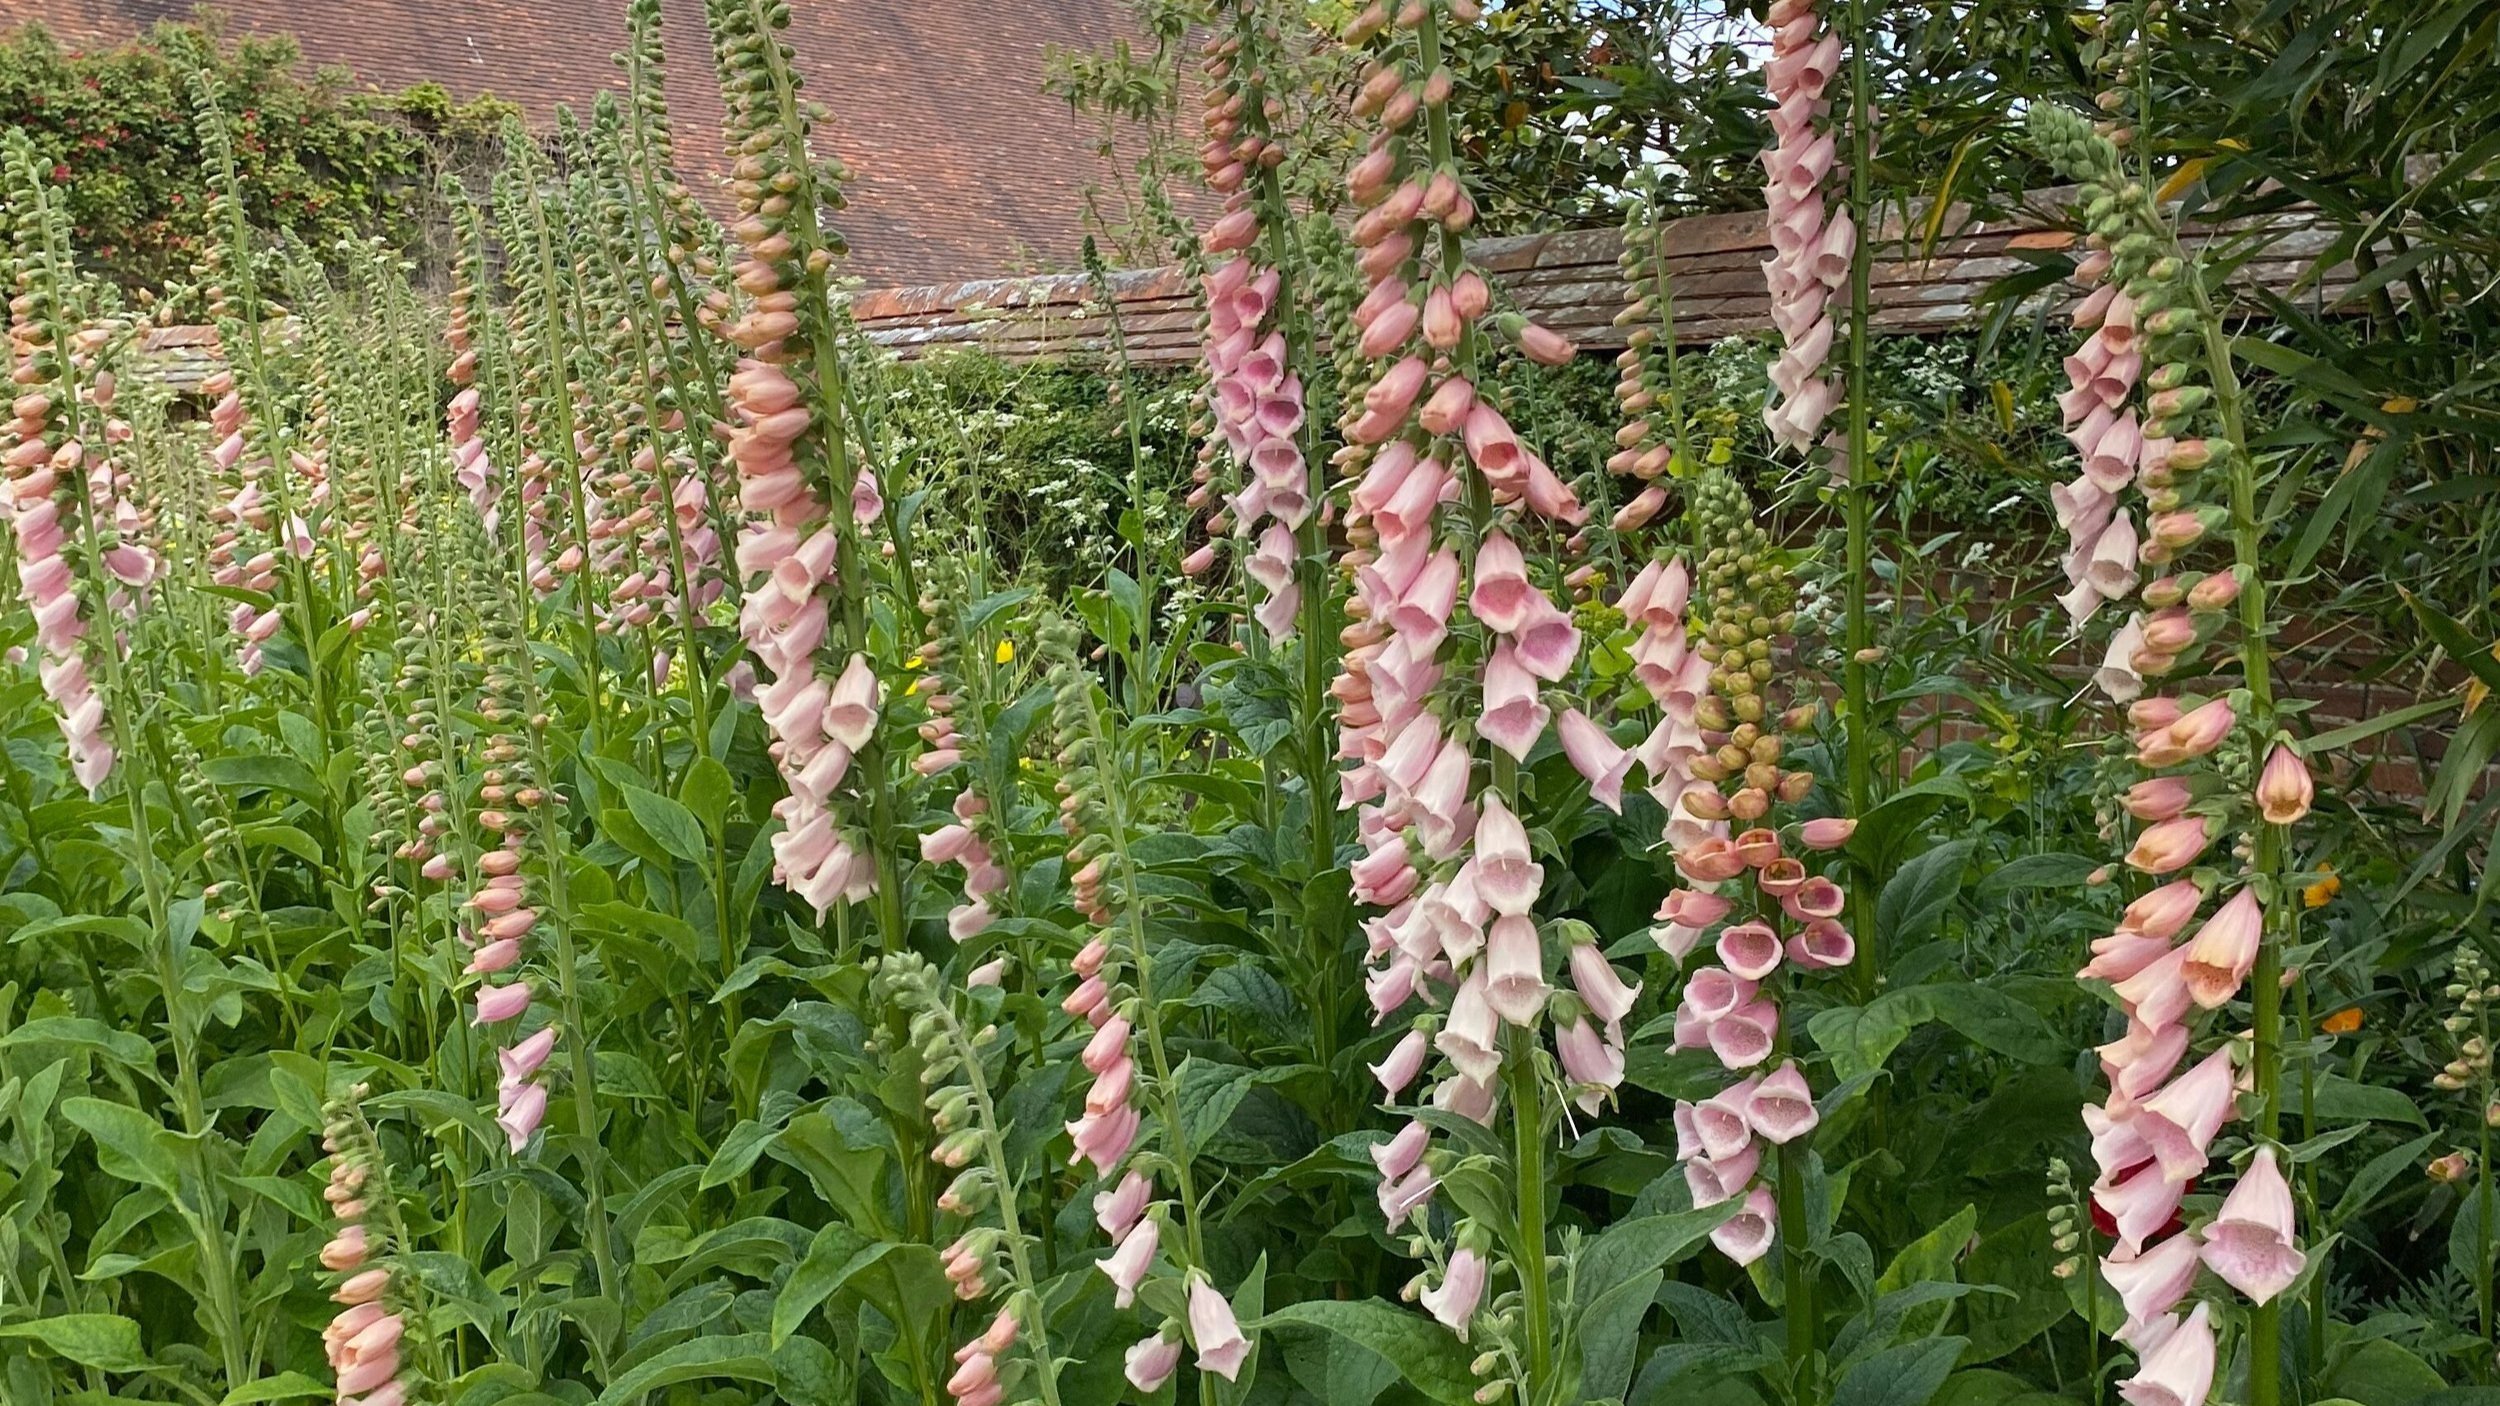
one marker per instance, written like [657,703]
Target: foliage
[321,160]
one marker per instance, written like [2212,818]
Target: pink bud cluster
[470,468]
[362,1340]
[1811,246]
[2103,548]
[975,1381]
[1256,397]
[501,917]
[46,579]
[789,550]
[246,509]
[962,843]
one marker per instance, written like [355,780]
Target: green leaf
[837,1253]
[283,774]
[78,1032]
[1908,1375]
[105,1341]
[2475,659]
[285,1386]
[1996,1021]
[2379,1373]
[2374,1176]
[2343,737]
[707,791]
[671,824]
[1860,1038]
[2339,1100]
[2036,871]
[2470,1246]
[1426,1355]
[745,1357]
[129,1144]
[1918,894]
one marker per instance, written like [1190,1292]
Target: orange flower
[2343,1022]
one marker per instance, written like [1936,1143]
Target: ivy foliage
[319,159]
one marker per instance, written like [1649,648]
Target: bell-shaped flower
[1781,1108]
[1221,1347]
[1127,1265]
[2284,788]
[1471,1041]
[2179,1372]
[1747,1235]
[1514,966]
[1596,757]
[2181,1120]
[2224,950]
[2152,1282]
[1452,1302]
[2250,1244]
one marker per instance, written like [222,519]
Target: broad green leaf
[1431,1360]
[105,1341]
[707,792]
[671,824]
[2036,871]
[46,1033]
[129,1144]
[1908,1375]
[2338,1100]
[1918,893]
[837,1253]
[1860,1038]
[1996,1021]
[745,1357]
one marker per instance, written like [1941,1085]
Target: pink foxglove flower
[2250,1244]
[2179,1371]
[1453,1300]
[1152,1361]
[1221,1347]
[2224,950]
[2284,788]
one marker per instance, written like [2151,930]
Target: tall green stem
[2265,1325]
[1857,497]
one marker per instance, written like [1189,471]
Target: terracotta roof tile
[965,167]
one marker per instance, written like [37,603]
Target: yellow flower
[1006,652]
[2317,894]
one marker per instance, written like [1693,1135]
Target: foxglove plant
[380,1324]
[47,502]
[1254,384]
[2214,775]
[1775,921]
[1114,994]
[1450,858]
[958,681]
[955,1065]
[1648,390]
[807,493]
[267,521]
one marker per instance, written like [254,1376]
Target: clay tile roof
[965,168]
